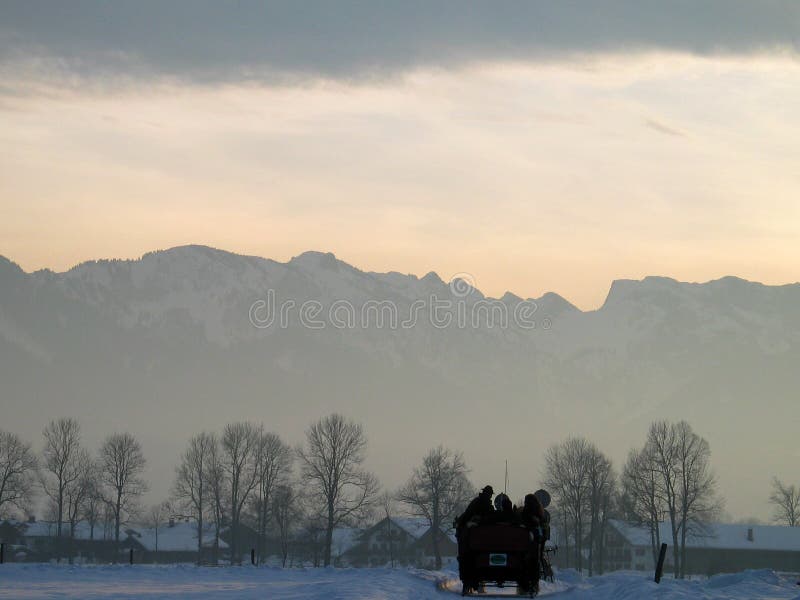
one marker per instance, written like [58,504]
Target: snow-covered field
[172,582]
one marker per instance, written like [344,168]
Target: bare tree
[437,490]
[239,446]
[273,466]
[686,483]
[287,513]
[93,506]
[786,500]
[158,515]
[698,501]
[17,472]
[216,480]
[120,468]
[76,495]
[641,495]
[662,446]
[191,488]
[331,467]
[567,476]
[601,483]
[62,463]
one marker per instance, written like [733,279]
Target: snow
[44,581]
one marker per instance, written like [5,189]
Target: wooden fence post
[660,566]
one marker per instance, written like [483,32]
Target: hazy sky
[536,146]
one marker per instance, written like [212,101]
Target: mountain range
[181,340]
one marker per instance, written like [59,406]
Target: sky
[536,146]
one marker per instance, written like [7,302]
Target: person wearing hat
[480,506]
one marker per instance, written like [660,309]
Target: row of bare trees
[78,485]
[583,482]
[222,476]
[246,474]
[668,480]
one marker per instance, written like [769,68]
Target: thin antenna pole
[505,488]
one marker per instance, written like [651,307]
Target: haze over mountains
[165,346]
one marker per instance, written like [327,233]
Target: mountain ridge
[619,288]
[166,345]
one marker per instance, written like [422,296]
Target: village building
[402,541]
[723,548]
[174,542]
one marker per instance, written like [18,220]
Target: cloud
[662,128]
[205,40]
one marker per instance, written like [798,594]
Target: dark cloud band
[226,40]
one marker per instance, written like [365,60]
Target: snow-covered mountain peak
[625,290]
[554,304]
[313,259]
[432,278]
[510,298]
[8,268]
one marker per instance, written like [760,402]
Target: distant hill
[165,346]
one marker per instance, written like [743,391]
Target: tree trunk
[683,549]
[118,507]
[200,521]
[233,549]
[675,552]
[329,536]
[436,528]
[200,537]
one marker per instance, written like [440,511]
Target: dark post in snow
[660,566]
[130,556]
[2,552]
[253,556]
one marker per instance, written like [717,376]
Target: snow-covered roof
[345,538]
[180,537]
[720,535]
[413,526]
[50,529]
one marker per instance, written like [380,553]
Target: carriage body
[498,553]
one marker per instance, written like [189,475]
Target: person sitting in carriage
[480,506]
[503,509]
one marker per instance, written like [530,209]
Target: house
[39,541]
[724,547]
[171,543]
[423,547]
[247,539]
[344,540]
[387,541]
[398,540]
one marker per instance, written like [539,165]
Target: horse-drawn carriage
[500,549]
